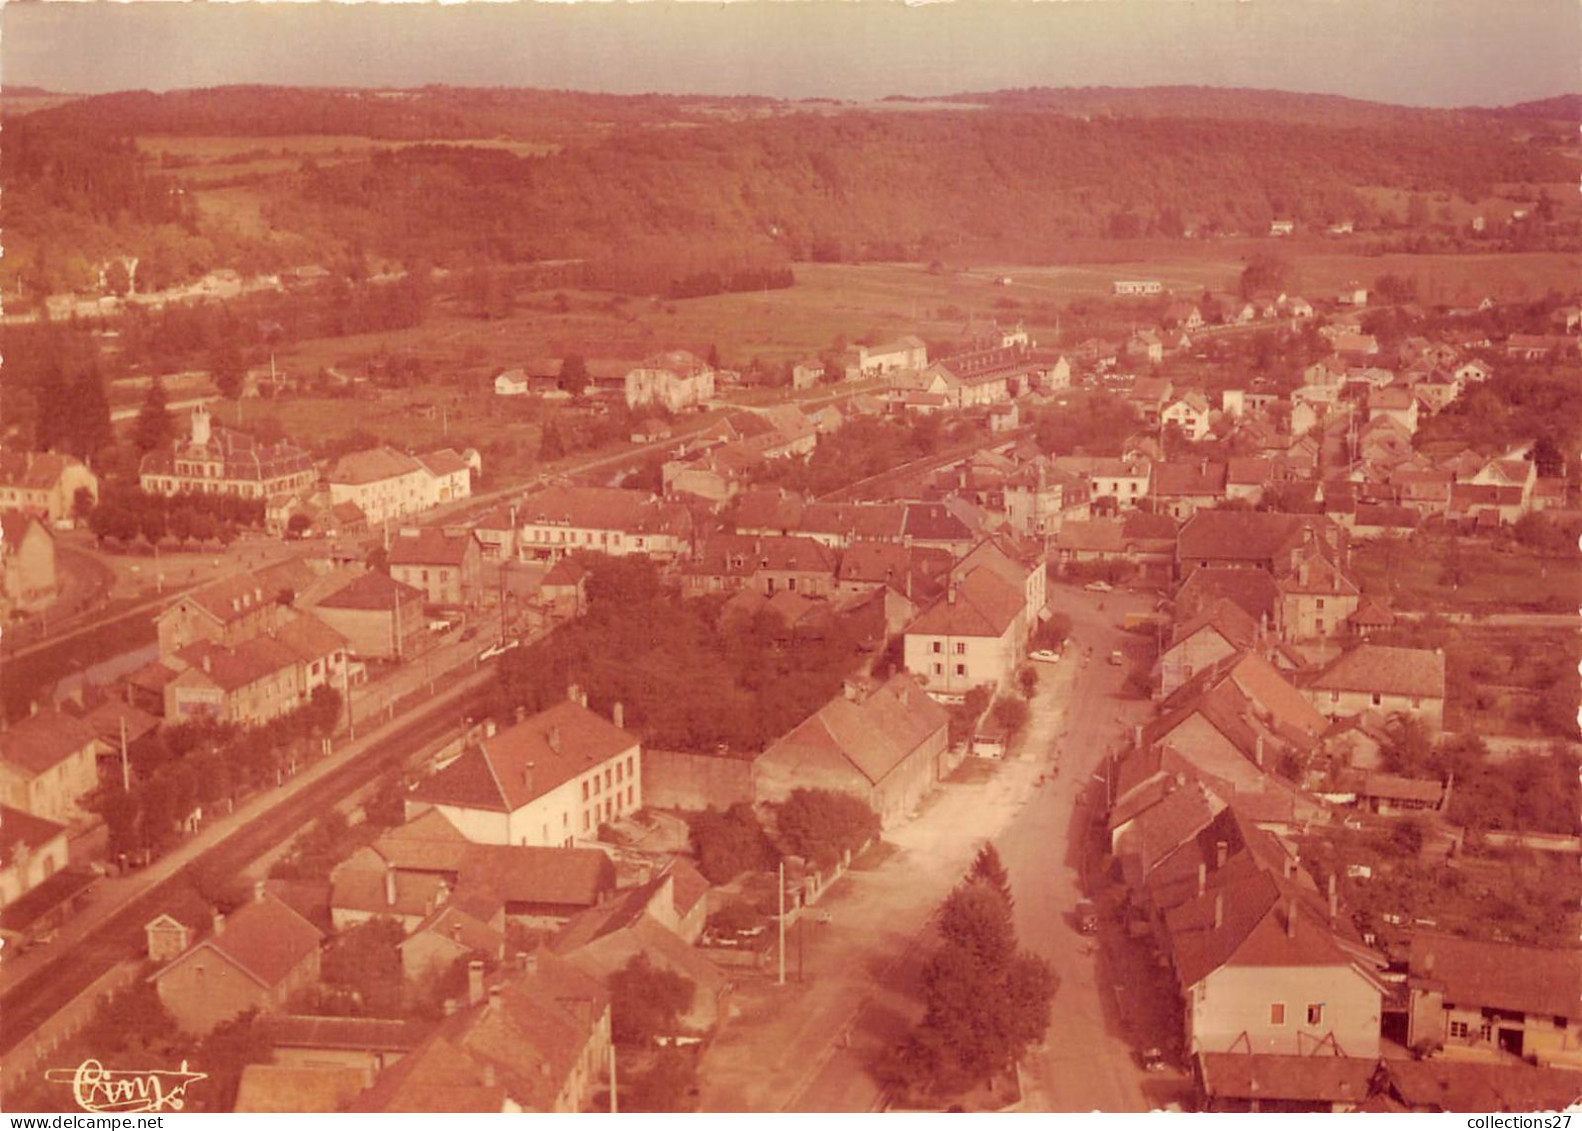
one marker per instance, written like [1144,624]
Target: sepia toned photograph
[811,556]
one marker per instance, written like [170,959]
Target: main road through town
[813,1045]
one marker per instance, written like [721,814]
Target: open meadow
[835,304]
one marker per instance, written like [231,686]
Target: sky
[1409,52]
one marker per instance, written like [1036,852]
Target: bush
[729,843]
[1012,714]
[822,826]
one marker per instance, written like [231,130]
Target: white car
[1098,587]
[494,650]
[1045,656]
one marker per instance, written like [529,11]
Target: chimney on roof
[529,962]
[258,891]
[488,1075]
[1290,918]
[1221,853]
[527,778]
[390,886]
[1257,751]
[1137,735]
[475,981]
[450,1007]
[218,924]
[1285,867]
[1202,878]
[208,662]
[489,728]
[950,594]
[618,714]
[1219,910]
[1428,963]
[518,713]
[455,933]
[495,997]
[553,738]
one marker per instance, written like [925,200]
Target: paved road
[1087,1062]
[106,934]
[812,1046]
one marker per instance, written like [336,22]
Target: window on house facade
[1377,698]
[961,648]
[584,790]
[1277,1013]
[631,794]
[1315,1015]
[938,647]
[1459,1030]
[606,779]
[961,669]
[620,772]
[1486,1031]
[939,669]
[1417,701]
[587,821]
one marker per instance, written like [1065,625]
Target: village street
[810,1046]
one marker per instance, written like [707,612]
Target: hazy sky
[1417,52]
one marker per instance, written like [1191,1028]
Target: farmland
[834,304]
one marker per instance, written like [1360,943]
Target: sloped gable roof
[1394,671]
[525,761]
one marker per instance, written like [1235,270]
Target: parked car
[1087,917]
[494,650]
[1045,656]
[1098,587]
[1117,657]
[1153,1060]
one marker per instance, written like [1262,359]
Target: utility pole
[126,770]
[346,687]
[615,1106]
[782,979]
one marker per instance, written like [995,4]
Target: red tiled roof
[40,742]
[872,736]
[1255,930]
[372,466]
[525,761]
[266,939]
[514,873]
[231,669]
[1253,589]
[372,590]
[24,829]
[1393,671]
[984,604]
[1292,1079]
[1505,976]
[431,546]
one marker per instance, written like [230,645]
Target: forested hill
[900,185]
[1219,103]
[705,184]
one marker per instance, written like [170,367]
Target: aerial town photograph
[791,557]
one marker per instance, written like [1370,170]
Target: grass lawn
[1411,577]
